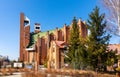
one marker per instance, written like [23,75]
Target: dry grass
[4,72]
[62,73]
[9,71]
[55,73]
[33,74]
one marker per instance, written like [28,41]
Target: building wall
[43,53]
[60,35]
[26,42]
[82,28]
[52,37]
[53,60]
[67,34]
[31,57]
[37,52]
[24,38]
[56,57]
[27,35]
[21,36]
[43,44]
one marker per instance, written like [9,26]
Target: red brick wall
[83,30]
[43,50]
[42,45]
[48,40]
[64,32]
[21,36]
[60,37]
[52,36]
[67,34]
[27,35]
[56,34]
[38,51]
[26,56]
[24,39]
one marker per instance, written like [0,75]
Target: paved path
[14,75]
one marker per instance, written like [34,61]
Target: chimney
[36,28]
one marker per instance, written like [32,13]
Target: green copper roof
[33,37]
[42,34]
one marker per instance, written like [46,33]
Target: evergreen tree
[82,53]
[98,39]
[77,53]
[74,45]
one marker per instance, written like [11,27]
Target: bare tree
[113,15]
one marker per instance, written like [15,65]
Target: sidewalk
[14,75]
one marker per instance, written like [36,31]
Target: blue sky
[49,13]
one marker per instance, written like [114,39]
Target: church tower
[21,36]
[36,28]
[24,35]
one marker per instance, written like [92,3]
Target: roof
[4,58]
[34,36]
[61,44]
[114,47]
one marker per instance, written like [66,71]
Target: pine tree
[82,54]
[77,53]
[74,45]
[98,39]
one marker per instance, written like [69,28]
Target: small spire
[56,28]
[84,22]
[37,28]
[79,21]
[47,32]
[74,17]
[65,24]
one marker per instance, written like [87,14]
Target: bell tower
[26,21]
[21,36]
[24,35]
[36,28]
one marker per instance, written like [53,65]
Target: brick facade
[21,36]
[36,46]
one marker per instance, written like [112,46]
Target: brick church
[45,47]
